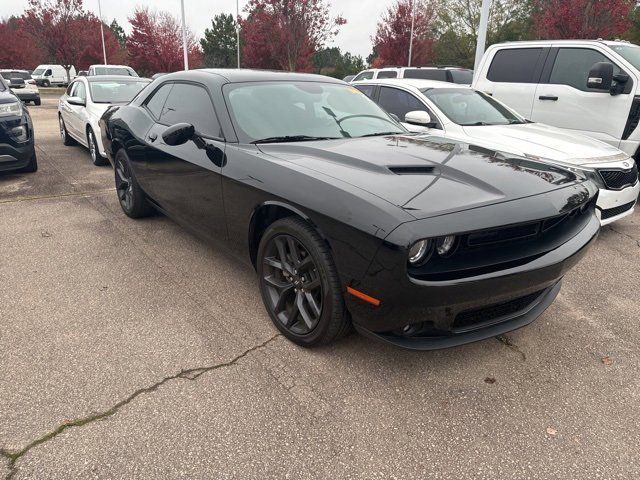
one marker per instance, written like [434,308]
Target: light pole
[482,33]
[238,31]
[185,50]
[104,50]
[413,17]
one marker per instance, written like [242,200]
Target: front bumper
[426,315]
[15,154]
[616,204]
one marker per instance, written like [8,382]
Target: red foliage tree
[19,49]
[391,42]
[284,34]
[557,19]
[58,26]
[92,52]
[155,43]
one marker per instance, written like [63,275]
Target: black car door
[185,180]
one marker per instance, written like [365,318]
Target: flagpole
[104,50]
[238,31]
[185,50]
[482,33]
[413,16]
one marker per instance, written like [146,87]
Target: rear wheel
[299,284]
[96,158]
[64,135]
[133,200]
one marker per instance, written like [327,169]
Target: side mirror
[76,101]
[619,83]
[178,134]
[600,76]
[418,117]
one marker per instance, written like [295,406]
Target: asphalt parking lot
[131,349]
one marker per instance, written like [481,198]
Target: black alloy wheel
[299,283]
[131,197]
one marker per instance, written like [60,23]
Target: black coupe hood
[425,177]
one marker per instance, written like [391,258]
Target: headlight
[13,108]
[445,244]
[419,252]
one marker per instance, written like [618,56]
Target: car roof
[13,70]
[234,75]
[102,78]
[418,83]
[560,42]
[109,65]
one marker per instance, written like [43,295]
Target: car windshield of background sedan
[468,107]
[111,91]
[112,71]
[297,111]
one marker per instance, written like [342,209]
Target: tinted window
[388,74]
[363,76]
[427,74]
[111,71]
[515,65]
[464,77]
[572,67]
[191,104]
[399,102]
[366,89]
[47,73]
[157,100]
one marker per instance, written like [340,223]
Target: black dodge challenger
[348,218]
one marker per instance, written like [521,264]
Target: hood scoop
[412,169]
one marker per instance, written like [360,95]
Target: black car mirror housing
[600,76]
[178,134]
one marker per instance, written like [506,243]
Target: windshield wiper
[476,124]
[292,138]
[380,134]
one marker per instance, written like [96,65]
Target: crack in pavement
[509,343]
[61,195]
[188,374]
[624,235]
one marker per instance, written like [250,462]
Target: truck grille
[619,179]
[612,212]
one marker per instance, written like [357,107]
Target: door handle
[548,97]
[153,136]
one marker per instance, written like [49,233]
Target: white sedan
[84,102]
[462,114]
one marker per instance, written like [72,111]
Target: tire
[303,295]
[37,102]
[64,135]
[132,199]
[97,159]
[32,166]
[46,83]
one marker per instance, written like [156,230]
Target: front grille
[619,179]
[612,212]
[470,318]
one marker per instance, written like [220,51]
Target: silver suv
[22,85]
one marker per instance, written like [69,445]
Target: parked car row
[17,149]
[424,213]
[56,75]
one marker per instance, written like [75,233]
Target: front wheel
[46,83]
[96,158]
[299,284]
[64,135]
[133,200]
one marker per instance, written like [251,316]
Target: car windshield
[298,111]
[631,53]
[112,71]
[115,91]
[38,71]
[468,107]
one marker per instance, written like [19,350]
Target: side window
[515,65]
[80,91]
[388,74]
[363,76]
[47,73]
[399,102]
[157,100]
[366,89]
[427,74]
[572,67]
[191,104]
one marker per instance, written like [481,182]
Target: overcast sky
[355,37]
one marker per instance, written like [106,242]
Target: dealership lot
[131,349]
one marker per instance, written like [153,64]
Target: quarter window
[427,74]
[572,67]
[366,89]
[364,76]
[399,102]
[191,104]
[515,65]
[158,99]
[388,74]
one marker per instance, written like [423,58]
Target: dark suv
[17,149]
